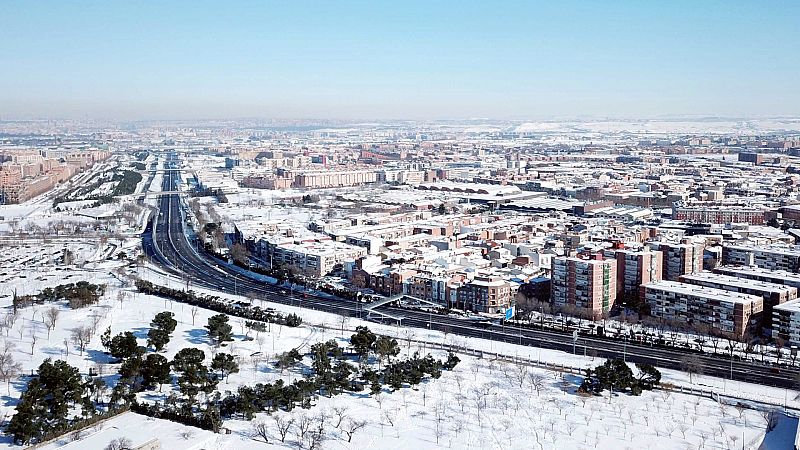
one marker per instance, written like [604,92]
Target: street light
[625,349]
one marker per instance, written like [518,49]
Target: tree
[219,330]
[122,443]
[81,336]
[225,363]
[386,347]
[124,345]
[293,320]
[161,329]
[155,370]
[693,365]
[362,341]
[240,254]
[649,376]
[352,427]
[50,318]
[188,358]
[195,377]
[284,425]
[614,374]
[8,367]
[105,338]
[45,405]
[261,429]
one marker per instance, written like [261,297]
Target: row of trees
[333,371]
[78,295]
[214,303]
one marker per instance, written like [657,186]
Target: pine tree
[219,330]
[155,370]
[124,345]
[161,329]
[225,363]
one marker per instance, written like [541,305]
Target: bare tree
[692,365]
[520,373]
[682,427]
[352,427]
[33,339]
[343,321]
[303,426]
[50,318]
[81,336]
[260,429]
[284,425]
[122,443]
[536,380]
[193,311]
[8,367]
[341,413]
[379,399]
[315,437]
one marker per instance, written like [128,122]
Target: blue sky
[399,59]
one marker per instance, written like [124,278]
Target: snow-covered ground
[481,404]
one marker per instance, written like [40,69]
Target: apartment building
[485,294]
[427,286]
[771,258]
[328,179]
[718,214]
[757,273]
[728,314]
[635,268]
[314,258]
[773,294]
[679,259]
[586,284]
[786,322]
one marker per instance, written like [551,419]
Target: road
[166,243]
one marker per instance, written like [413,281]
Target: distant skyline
[398,60]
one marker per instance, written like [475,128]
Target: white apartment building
[315,258]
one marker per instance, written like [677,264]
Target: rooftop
[705,292]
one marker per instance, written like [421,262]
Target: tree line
[214,303]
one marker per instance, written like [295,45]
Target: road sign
[510,313]
[575,336]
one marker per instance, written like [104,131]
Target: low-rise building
[485,294]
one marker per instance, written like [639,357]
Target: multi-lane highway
[166,242]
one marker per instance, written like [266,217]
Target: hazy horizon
[411,61]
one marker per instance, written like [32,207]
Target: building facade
[586,284]
[726,313]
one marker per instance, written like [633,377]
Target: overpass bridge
[372,307]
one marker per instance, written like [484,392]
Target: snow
[514,414]
[663,127]
[172,436]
